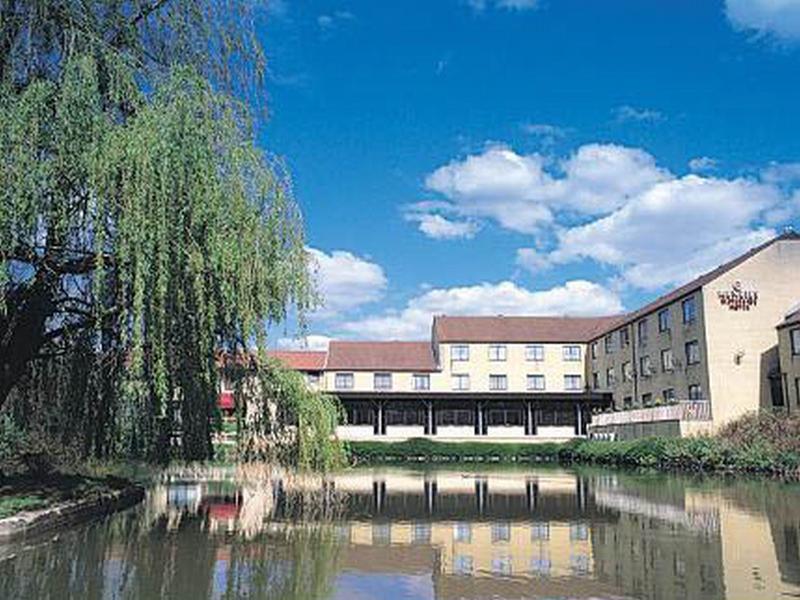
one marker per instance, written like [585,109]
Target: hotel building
[688,362]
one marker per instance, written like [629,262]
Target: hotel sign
[738,298]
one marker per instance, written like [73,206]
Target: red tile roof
[380,356]
[520,329]
[300,360]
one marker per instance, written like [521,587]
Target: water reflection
[402,533]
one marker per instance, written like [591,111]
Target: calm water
[401,533]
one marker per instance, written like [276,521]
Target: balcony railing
[680,411]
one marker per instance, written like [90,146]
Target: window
[572,382]
[692,352]
[535,382]
[557,416]
[421,533]
[498,382]
[645,366]
[572,353]
[462,532]
[381,534]
[609,343]
[689,307]
[667,362]
[505,416]
[460,382]
[501,532]
[313,378]
[611,378]
[359,413]
[455,416]
[541,565]
[595,380]
[695,392]
[497,353]
[462,564]
[647,399]
[627,402]
[459,352]
[534,353]
[627,371]
[405,413]
[382,381]
[578,532]
[624,337]
[664,320]
[642,331]
[594,349]
[421,381]
[501,565]
[668,395]
[794,335]
[343,381]
[540,531]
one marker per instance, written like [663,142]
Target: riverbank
[669,454]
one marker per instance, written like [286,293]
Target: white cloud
[510,5]
[577,298]
[702,163]
[522,192]
[627,113]
[674,230]
[346,281]
[545,133]
[306,342]
[779,19]
[329,21]
[532,260]
[441,228]
[781,173]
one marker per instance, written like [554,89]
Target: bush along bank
[426,450]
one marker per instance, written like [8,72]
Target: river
[405,533]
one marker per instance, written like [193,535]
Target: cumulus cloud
[329,21]
[701,164]
[441,228]
[674,230]
[627,113]
[306,342]
[779,19]
[510,5]
[577,298]
[346,281]
[522,192]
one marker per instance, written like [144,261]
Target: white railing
[680,411]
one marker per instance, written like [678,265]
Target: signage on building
[738,298]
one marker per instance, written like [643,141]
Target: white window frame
[670,397]
[629,375]
[459,352]
[667,368]
[794,341]
[692,344]
[569,355]
[645,365]
[533,377]
[418,377]
[698,387]
[497,353]
[383,375]
[498,382]
[573,377]
[534,352]
[457,382]
[664,324]
[340,377]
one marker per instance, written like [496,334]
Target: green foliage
[281,419]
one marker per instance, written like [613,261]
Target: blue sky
[529,157]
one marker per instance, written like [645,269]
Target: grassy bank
[756,443]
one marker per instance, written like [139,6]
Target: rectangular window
[595,380]
[647,399]
[460,382]
[642,332]
[627,371]
[664,320]
[689,307]
[497,353]
[359,413]
[313,378]
[695,392]
[609,343]
[578,532]
[594,349]
[421,381]
[462,417]
[692,352]
[459,352]
[462,564]
[540,531]
[405,413]
[462,532]
[556,416]
[667,362]
[794,335]
[343,381]
[382,381]
[534,352]
[645,366]
[627,402]
[573,382]
[668,395]
[498,383]
[535,382]
[624,337]
[505,417]
[572,353]
[611,378]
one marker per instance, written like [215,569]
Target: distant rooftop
[300,360]
[380,356]
[520,329]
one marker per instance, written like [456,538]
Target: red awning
[225,401]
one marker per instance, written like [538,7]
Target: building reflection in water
[494,533]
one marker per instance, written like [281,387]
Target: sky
[527,156]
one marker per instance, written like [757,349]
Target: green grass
[11,505]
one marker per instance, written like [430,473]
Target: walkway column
[430,426]
[578,419]
[478,418]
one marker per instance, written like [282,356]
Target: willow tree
[141,230]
